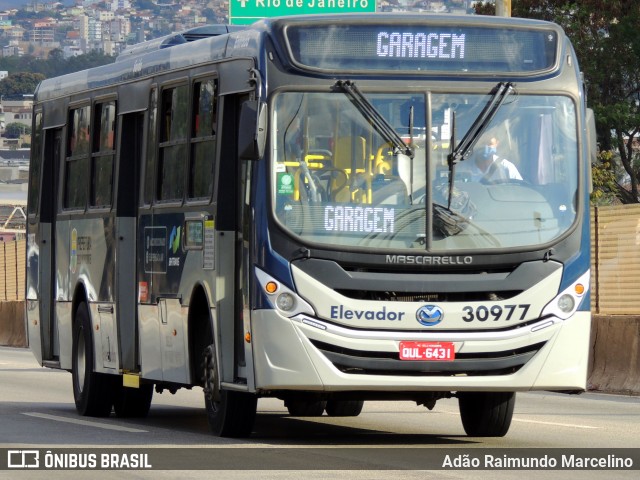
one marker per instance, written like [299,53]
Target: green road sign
[243,12]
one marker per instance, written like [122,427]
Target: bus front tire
[344,408]
[92,391]
[229,413]
[486,414]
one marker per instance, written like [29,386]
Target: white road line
[555,424]
[85,423]
[570,425]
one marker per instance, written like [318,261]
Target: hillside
[18,4]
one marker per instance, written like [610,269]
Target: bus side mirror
[252,134]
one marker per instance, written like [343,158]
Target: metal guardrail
[13,219]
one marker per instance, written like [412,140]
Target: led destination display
[425,48]
[354,220]
[420,45]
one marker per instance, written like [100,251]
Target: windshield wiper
[379,123]
[465,147]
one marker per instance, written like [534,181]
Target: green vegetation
[15,129]
[606,38]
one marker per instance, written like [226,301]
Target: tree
[605,187]
[55,64]
[15,129]
[485,8]
[56,55]
[210,15]
[606,38]
[18,84]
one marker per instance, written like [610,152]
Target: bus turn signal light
[271,287]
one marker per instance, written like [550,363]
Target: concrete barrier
[615,357]
[12,327]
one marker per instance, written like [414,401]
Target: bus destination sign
[421,44]
[421,47]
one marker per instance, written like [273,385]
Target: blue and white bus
[299,209]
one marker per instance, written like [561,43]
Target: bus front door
[129,157]
[45,241]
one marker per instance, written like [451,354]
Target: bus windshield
[337,180]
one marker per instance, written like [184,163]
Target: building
[15,111]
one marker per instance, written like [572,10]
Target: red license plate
[439,352]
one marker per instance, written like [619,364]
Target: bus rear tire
[486,414]
[133,402]
[344,408]
[92,391]
[229,413]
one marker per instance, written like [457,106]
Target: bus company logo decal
[429,315]
[429,260]
[339,312]
[174,240]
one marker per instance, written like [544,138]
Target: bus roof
[217,42]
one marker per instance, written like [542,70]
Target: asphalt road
[388,440]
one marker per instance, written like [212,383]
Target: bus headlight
[566,302]
[285,302]
[281,298]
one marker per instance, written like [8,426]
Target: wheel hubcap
[210,376]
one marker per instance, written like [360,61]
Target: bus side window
[152,138]
[203,138]
[33,199]
[173,146]
[102,159]
[77,158]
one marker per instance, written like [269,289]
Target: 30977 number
[495,313]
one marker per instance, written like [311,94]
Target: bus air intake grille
[361,362]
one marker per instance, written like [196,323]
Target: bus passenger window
[173,144]
[203,139]
[103,154]
[79,132]
[77,158]
[204,108]
[152,144]
[33,199]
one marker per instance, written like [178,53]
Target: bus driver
[486,165]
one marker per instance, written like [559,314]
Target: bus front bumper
[307,354]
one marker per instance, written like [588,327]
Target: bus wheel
[305,408]
[344,408]
[92,392]
[230,413]
[486,414]
[133,402]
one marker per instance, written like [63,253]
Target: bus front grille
[359,362]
